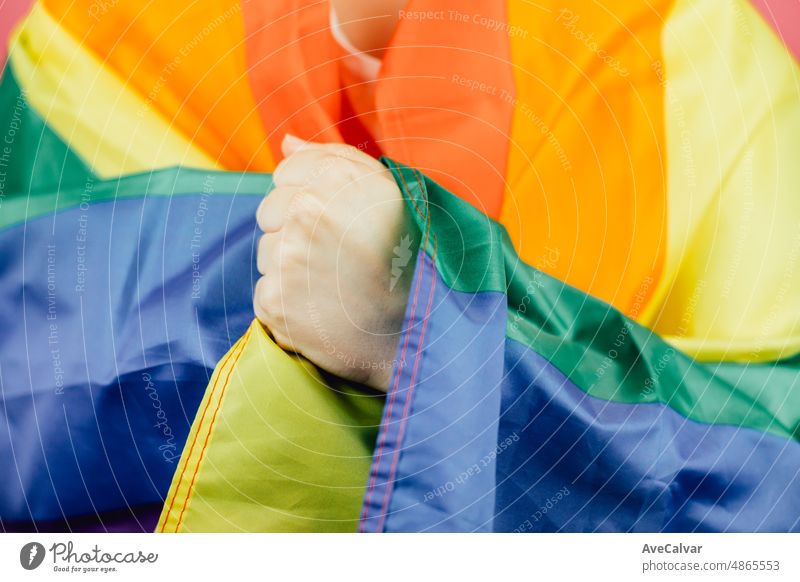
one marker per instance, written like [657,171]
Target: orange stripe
[587,175]
[187,60]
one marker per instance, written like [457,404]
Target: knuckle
[322,167]
[281,172]
[346,150]
[336,166]
[283,339]
[262,293]
[260,301]
[308,211]
[285,258]
[294,265]
[299,203]
[262,255]
[261,213]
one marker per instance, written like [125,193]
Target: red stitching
[421,180]
[407,408]
[379,453]
[210,429]
[194,440]
[410,197]
[390,406]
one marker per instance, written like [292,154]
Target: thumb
[291,144]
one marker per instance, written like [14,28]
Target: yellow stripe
[107,124]
[289,450]
[179,496]
[731,287]
[188,60]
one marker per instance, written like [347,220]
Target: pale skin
[330,227]
[369,24]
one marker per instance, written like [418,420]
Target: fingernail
[292,141]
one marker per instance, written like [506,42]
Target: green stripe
[33,158]
[167,182]
[40,175]
[598,348]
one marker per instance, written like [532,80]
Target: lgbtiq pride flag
[602,332]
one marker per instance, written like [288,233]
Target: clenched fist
[332,225]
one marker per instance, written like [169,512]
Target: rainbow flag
[603,332]
[526,405]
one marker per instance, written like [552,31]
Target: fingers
[259,301]
[292,144]
[308,163]
[302,169]
[268,252]
[269,310]
[274,208]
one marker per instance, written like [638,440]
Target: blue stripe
[108,344]
[498,439]
[430,449]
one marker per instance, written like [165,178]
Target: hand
[332,225]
